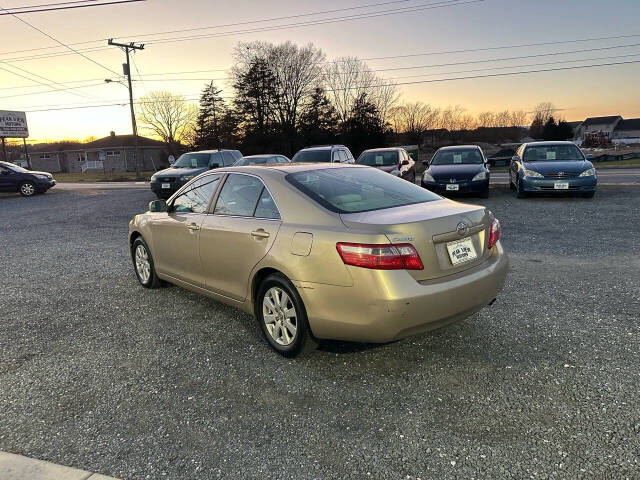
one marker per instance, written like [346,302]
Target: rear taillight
[402,256]
[494,233]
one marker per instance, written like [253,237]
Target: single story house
[115,153]
[628,129]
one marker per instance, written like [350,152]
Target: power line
[50,91]
[442,4]
[264,20]
[449,79]
[68,7]
[50,4]
[59,42]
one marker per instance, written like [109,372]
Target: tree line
[284,97]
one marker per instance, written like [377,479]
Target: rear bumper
[578,184]
[463,187]
[399,306]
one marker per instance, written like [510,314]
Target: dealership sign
[13,124]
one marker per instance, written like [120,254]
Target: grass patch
[92,177]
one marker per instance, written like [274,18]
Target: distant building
[597,124]
[115,153]
[628,129]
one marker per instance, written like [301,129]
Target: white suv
[324,154]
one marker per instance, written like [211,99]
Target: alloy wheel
[27,189]
[280,317]
[143,265]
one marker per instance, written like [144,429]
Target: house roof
[54,147]
[601,120]
[630,124]
[114,141]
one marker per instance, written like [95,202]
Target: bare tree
[450,118]
[467,122]
[486,119]
[544,111]
[168,116]
[415,119]
[519,118]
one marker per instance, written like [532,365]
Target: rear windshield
[193,160]
[552,153]
[313,156]
[379,159]
[355,190]
[466,156]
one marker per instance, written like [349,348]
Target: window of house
[45,156]
[113,153]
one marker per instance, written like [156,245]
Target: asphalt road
[100,374]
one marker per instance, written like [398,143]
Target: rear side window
[354,190]
[216,158]
[266,206]
[239,196]
[313,156]
[196,196]
[228,158]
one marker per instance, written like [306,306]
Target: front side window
[239,196]
[196,196]
[463,156]
[552,153]
[354,190]
[192,160]
[379,159]
[313,156]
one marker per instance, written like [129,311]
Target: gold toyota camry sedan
[323,251]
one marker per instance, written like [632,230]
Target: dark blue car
[459,169]
[16,179]
[551,167]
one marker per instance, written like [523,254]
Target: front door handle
[193,227]
[260,233]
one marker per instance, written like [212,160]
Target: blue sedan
[16,179]
[552,167]
[460,169]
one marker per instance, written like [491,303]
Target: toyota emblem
[462,228]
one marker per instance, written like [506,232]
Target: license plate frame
[166,186]
[461,251]
[561,186]
[452,187]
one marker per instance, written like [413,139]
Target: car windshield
[15,168]
[552,153]
[379,159]
[251,161]
[193,160]
[313,156]
[463,156]
[354,190]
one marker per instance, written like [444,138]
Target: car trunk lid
[429,227]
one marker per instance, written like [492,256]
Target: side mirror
[158,206]
[405,162]
[515,158]
[425,162]
[590,156]
[214,165]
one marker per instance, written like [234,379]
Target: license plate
[452,187]
[166,185]
[461,251]
[561,186]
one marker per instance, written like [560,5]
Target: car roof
[285,168]
[550,143]
[262,155]
[384,149]
[215,150]
[455,147]
[322,147]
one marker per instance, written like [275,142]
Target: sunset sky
[466,25]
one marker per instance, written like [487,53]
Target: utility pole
[126,67]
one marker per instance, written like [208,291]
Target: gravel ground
[100,374]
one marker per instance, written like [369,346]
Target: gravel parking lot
[100,374]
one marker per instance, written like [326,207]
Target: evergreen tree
[537,127]
[212,110]
[549,132]
[318,122]
[364,128]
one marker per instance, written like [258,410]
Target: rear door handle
[260,233]
[193,227]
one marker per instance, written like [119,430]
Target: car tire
[512,186]
[588,194]
[143,264]
[27,189]
[283,320]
